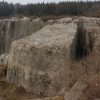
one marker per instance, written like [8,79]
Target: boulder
[40,62]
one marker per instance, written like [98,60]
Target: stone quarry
[54,58]
[14,29]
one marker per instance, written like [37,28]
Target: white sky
[36,1]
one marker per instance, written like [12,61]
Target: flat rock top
[14,19]
[61,33]
[56,34]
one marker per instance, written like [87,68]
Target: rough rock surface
[39,62]
[75,92]
[4,59]
[14,29]
[3,65]
[92,63]
[87,38]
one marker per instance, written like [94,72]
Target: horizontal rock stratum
[41,62]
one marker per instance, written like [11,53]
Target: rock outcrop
[39,62]
[14,29]
[3,65]
[4,59]
[87,38]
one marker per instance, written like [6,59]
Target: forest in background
[80,8]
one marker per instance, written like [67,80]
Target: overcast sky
[36,1]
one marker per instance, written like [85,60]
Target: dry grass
[8,90]
[92,90]
[12,92]
[87,70]
[3,70]
[57,98]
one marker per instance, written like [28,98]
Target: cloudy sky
[36,1]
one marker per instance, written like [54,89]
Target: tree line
[41,9]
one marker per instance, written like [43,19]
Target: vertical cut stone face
[92,27]
[14,29]
[87,38]
[40,62]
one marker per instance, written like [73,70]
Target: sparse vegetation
[12,92]
[3,70]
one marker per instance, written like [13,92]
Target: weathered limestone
[3,65]
[14,29]
[40,62]
[92,27]
[4,59]
[87,38]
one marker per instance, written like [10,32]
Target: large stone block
[40,62]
